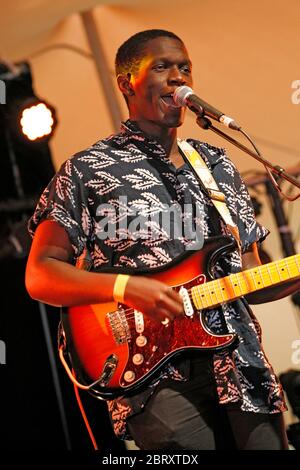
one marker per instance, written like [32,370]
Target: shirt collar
[143,141]
[149,145]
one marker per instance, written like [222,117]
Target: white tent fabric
[24,22]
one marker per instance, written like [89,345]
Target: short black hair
[130,53]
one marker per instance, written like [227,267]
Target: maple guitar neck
[233,286]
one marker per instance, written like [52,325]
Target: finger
[175,307]
[165,316]
[173,295]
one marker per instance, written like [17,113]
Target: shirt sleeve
[239,203]
[65,200]
[250,229]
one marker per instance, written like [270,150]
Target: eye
[159,67]
[185,69]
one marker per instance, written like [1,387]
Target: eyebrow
[168,61]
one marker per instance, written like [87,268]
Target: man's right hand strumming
[153,298]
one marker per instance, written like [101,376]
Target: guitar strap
[208,182]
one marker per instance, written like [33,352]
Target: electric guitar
[119,350]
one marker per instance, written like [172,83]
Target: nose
[176,77]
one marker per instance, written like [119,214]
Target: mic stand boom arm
[205,123]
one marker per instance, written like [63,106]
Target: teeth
[168,99]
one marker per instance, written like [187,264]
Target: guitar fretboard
[233,286]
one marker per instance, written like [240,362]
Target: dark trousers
[187,415]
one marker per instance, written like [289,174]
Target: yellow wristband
[119,287]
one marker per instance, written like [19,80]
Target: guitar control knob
[138,359]
[129,376]
[141,341]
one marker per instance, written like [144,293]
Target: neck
[166,137]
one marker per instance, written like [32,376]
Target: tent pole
[102,68]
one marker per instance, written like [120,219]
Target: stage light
[27,123]
[27,115]
[37,121]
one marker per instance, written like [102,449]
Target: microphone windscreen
[181,93]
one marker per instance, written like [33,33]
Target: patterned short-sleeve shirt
[98,196]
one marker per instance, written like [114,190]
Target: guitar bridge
[119,326]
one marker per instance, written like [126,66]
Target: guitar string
[206,286]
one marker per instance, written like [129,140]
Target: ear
[125,85]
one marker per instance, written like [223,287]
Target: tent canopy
[24,23]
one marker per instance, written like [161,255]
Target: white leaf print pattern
[154,200]
[105,185]
[156,230]
[144,179]
[133,155]
[122,241]
[149,260]
[134,158]
[60,214]
[121,153]
[78,173]
[247,405]
[86,220]
[170,177]
[148,207]
[162,255]
[228,167]
[231,196]
[126,261]
[117,211]
[99,257]
[98,160]
[68,167]
[65,189]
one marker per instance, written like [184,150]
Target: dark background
[30,416]
[29,413]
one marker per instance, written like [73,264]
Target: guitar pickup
[108,370]
[187,304]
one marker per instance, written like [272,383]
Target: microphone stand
[285,234]
[205,123]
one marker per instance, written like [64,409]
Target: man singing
[226,400]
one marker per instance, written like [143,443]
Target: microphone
[185,96]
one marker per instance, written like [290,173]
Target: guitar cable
[77,385]
[84,416]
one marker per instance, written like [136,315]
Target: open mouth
[168,100]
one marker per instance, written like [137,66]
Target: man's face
[164,67]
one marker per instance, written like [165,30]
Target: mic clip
[203,121]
